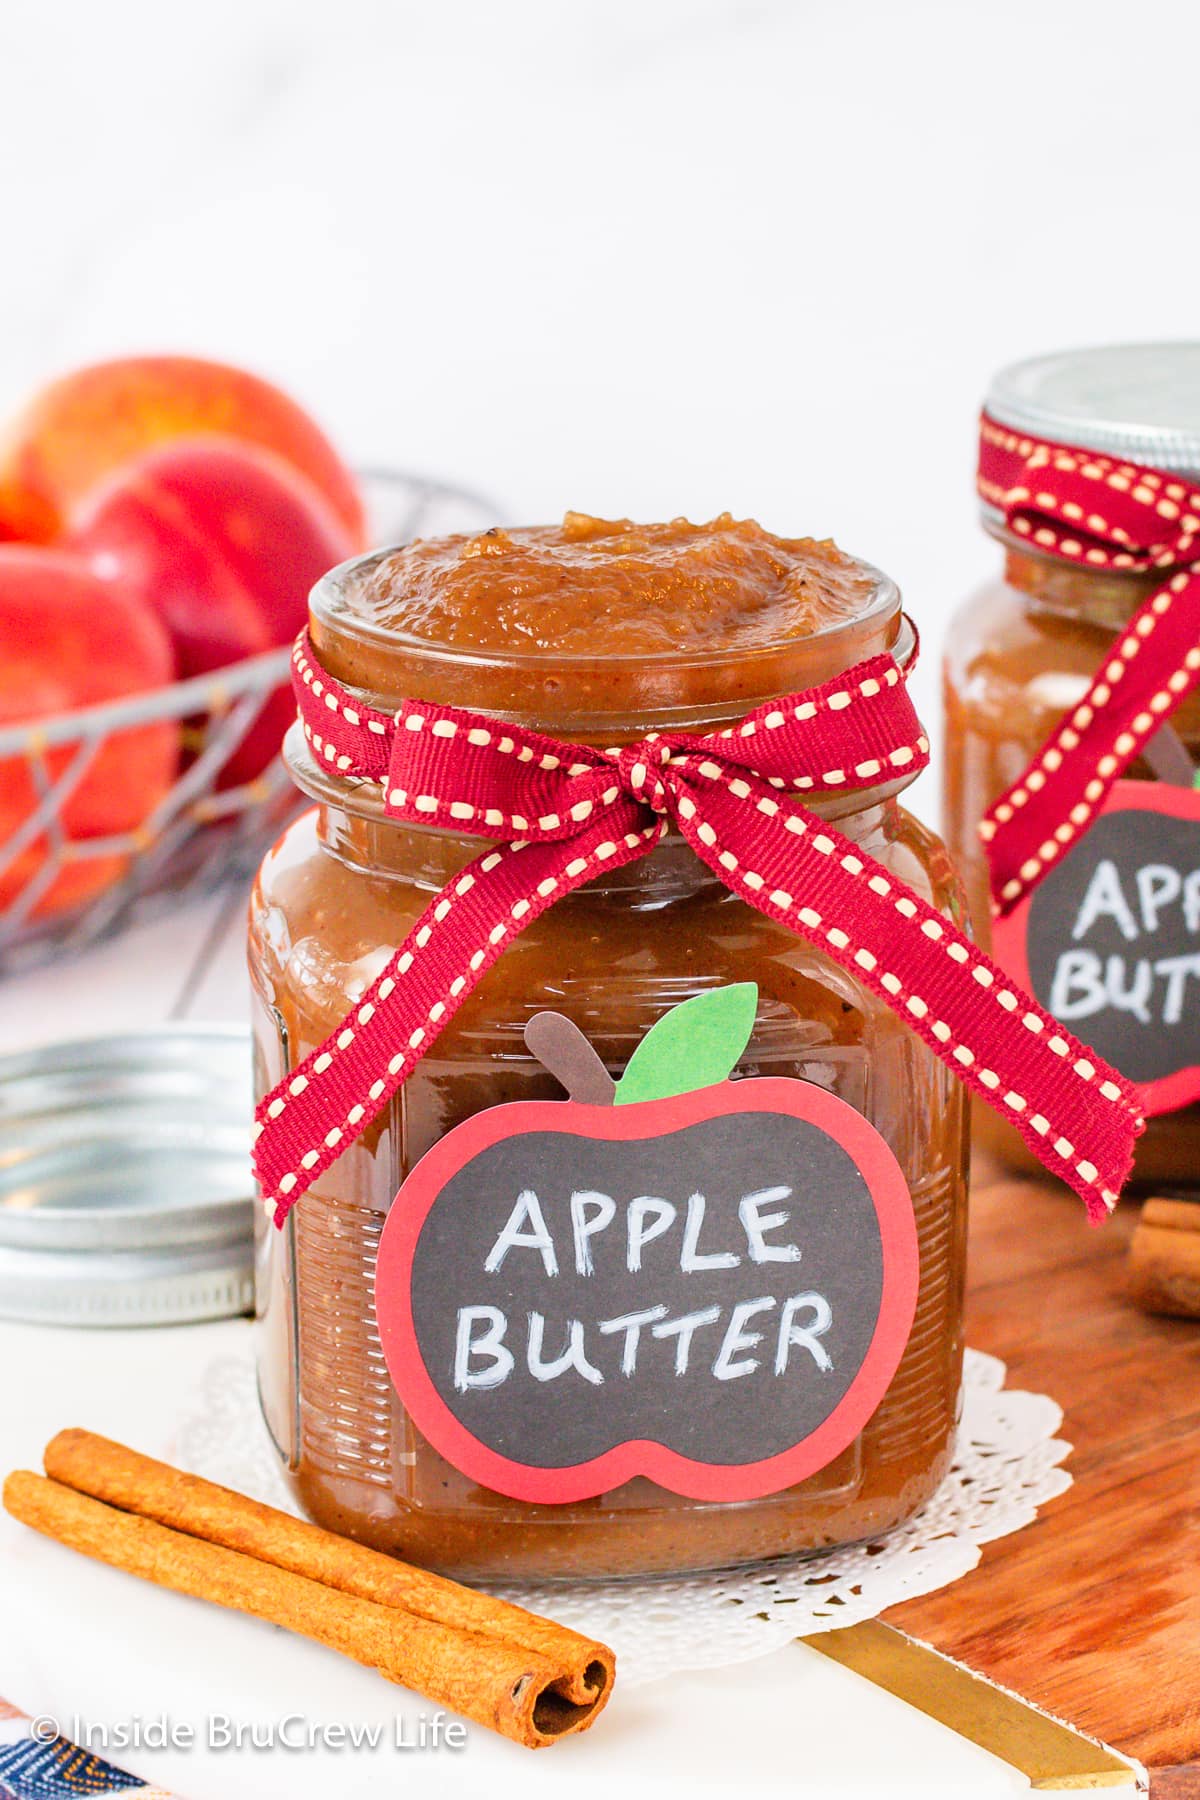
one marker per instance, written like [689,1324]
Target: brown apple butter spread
[669,588]
[603,631]
[601,620]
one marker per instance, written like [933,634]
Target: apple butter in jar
[599,633]
[1122,425]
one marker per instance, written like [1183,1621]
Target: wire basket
[201,833]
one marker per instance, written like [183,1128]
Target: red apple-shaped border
[649,1118]
[1010,934]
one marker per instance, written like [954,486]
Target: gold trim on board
[1053,1756]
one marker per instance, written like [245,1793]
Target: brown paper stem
[561,1047]
[1168,758]
[524,1676]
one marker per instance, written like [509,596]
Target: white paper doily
[1006,1465]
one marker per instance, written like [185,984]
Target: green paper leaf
[695,1045]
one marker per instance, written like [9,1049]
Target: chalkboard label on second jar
[712,1289]
[1109,940]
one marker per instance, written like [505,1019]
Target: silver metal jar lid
[125,1184]
[1140,401]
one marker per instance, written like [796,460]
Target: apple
[224,541]
[83,427]
[68,640]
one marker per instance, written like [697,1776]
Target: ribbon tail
[1148,674]
[1078,1116]
[313,1114]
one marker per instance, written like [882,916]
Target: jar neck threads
[1106,599]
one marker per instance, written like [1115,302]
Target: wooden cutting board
[1093,1612]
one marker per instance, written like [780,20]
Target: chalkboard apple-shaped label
[709,1282]
[1109,940]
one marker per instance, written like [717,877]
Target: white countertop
[84,1642]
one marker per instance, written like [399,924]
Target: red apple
[70,640]
[225,542]
[81,428]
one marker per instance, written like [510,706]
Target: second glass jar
[1024,648]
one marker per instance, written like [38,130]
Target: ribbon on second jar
[560,814]
[1094,512]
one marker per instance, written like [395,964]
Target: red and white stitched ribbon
[564,812]
[1098,513]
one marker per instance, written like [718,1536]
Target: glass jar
[1023,648]
[343,887]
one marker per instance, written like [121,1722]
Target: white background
[632,256]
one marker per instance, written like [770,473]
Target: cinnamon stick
[136,1483]
[534,1687]
[1164,1258]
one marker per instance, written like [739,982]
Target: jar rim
[325,610]
[603,696]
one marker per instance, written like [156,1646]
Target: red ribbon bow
[561,813]
[1098,513]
